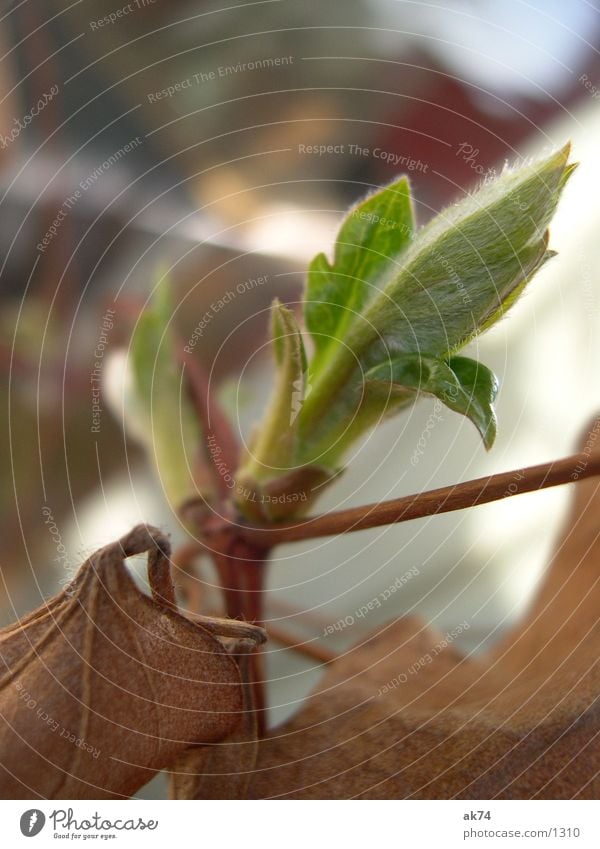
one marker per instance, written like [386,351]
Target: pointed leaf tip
[374,234]
[462,384]
[173,431]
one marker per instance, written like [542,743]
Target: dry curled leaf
[403,715]
[222,770]
[103,686]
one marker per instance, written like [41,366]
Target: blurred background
[224,143]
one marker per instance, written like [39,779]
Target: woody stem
[443,500]
[241,567]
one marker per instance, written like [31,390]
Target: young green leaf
[173,431]
[272,449]
[464,385]
[268,479]
[374,233]
[388,315]
[459,274]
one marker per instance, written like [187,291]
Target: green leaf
[370,241]
[269,482]
[459,274]
[462,384]
[271,452]
[389,313]
[465,265]
[173,432]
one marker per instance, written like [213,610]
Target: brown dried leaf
[104,686]
[395,718]
[222,770]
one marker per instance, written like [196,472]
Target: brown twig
[443,500]
[281,609]
[311,649]
[241,568]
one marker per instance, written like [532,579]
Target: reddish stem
[241,568]
[443,500]
[215,424]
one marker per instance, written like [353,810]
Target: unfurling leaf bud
[389,313]
[173,436]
